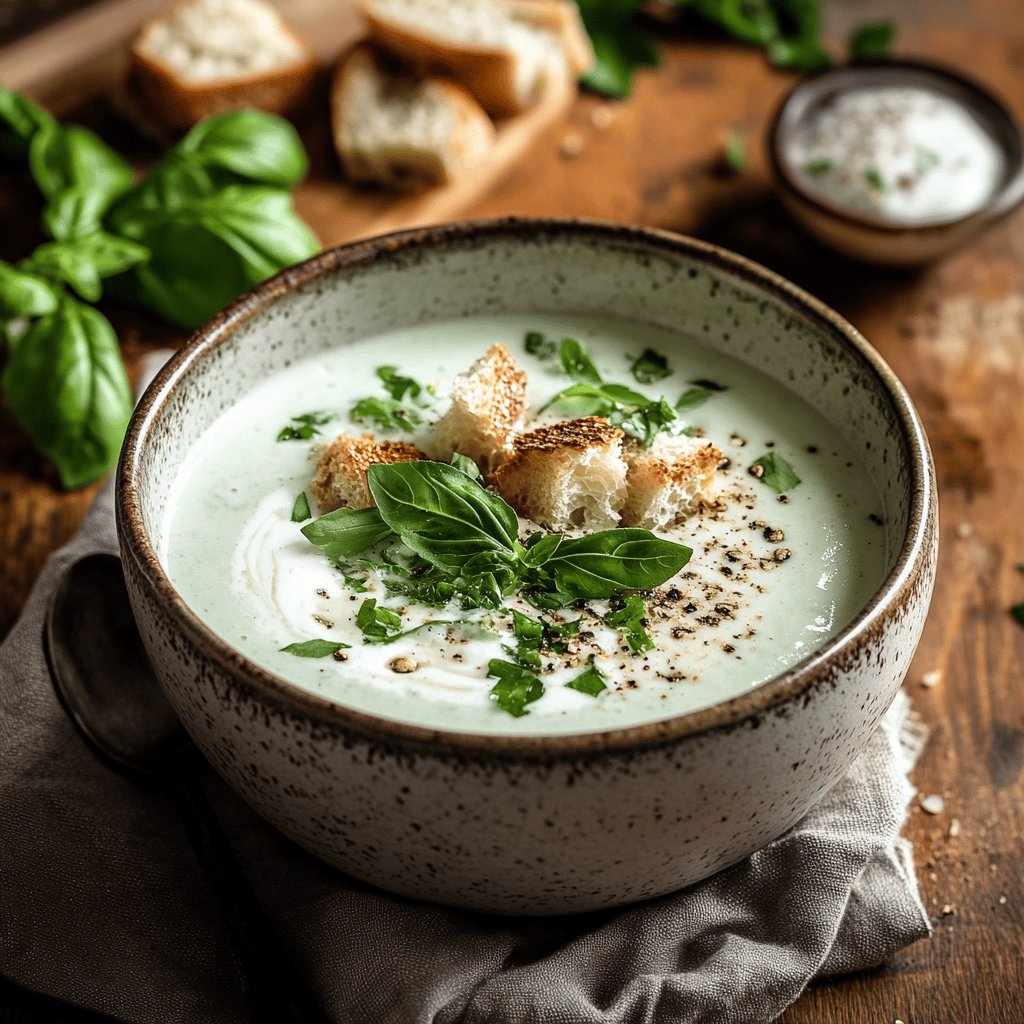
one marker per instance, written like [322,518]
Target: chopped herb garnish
[590,681]
[872,40]
[397,386]
[315,648]
[464,464]
[1017,611]
[629,621]
[709,385]
[308,425]
[650,366]
[647,422]
[736,149]
[873,176]
[300,510]
[635,413]
[818,167]
[386,413]
[577,363]
[693,397]
[515,687]
[540,346]
[377,623]
[772,469]
[926,159]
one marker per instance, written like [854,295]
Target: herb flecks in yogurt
[304,427]
[590,681]
[402,410]
[540,346]
[516,687]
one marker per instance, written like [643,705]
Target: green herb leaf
[75,212]
[577,363]
[443,515]
[396,385]
[515,687]
[300,510]
[539,550]
[539,346]
[619,47]
[590,681]
[84,262]
[636,414]
[24,294]
[872,40]
[608,562]
[628,620]
[377,623]
[775,471]
[65,157]
[818,167]
[346,532]
[693,397]
[710,385]
[873,176]
[650,366]
[647,422]
[20,119]
[255,146]
[798,55]
[315,648]
[66,385]
[308,426]
[1017,611]
[464,464]
[736,149]
[926,159]
[386,413]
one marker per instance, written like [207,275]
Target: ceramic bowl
[504,823]
[874,239]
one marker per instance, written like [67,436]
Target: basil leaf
[440,513]
[628,620]
[604,398]
[256,146]
[66,385]
[693,397]
[309,424]
[84,262]
[798,55]
[378,625]
[300,510]
[75,212]
[64,157]
[315,648]
[872,40]
[619,46]
[396,385]
[24,294]
[650,366]
[20,119]
[515,687]
[539,346]
[710,385]
[577,363]
[538,552]
[608,562]
[647,422]
[775,471]
[464,464]
[590,681]
[386,413]
[347,531]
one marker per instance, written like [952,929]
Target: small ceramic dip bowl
[895,163]
[528,823]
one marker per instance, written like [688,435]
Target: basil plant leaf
[315,648]
[84,262]
[464,464]
[68,156]
[66,384]
[24,294]
[20,119]
[439,512]
[608,562]
[346,531]
[872,40]
[75,212]
[257,147]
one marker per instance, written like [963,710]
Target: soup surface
[772,575]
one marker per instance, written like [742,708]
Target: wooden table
[954,333]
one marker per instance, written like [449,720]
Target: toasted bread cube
[488,401]
[567,476]
[341,469]
[669,480]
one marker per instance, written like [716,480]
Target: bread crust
[564,17]
[340,480]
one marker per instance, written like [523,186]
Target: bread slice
[204,57]
[394,129]
[669,480]
[341,469]
[501,56]
[488,402]
[567,476]
[564,17]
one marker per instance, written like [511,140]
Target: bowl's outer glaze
[534,825]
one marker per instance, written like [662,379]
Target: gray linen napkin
[102,903]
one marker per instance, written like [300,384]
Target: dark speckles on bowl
[502,823]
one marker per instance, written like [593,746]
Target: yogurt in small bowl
[896,163]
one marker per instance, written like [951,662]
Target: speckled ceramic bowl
[875,239]
[534,824]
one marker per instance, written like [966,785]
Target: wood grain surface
[953,332]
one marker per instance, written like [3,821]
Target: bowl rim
[1004,199]
[794,683]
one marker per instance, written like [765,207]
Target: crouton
[341,470]
[488,401]
[669,480]
[570,475]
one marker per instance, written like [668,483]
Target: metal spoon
[104,680]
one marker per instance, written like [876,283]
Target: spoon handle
[273,992]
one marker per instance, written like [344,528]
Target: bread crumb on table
[931,679]
[571,145]
[933,804]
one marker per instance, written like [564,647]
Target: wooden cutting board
[84,56]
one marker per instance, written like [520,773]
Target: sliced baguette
[341,469]
[502,58]
[488,402]
[567,476]
[400,131]
[669,480]
[205,57]
[564,17]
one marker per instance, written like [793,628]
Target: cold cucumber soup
[481,626]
